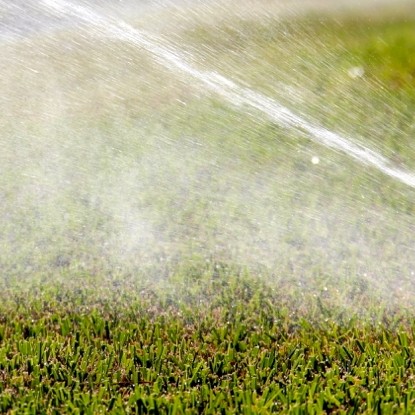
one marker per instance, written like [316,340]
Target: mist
[130,146]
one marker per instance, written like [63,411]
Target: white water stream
[173,59]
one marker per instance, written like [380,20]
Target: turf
[228,344]
[162,252]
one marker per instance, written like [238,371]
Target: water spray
[173,59]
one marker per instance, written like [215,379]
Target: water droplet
[315,160]
[356,72]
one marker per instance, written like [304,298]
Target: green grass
[388,57]
[164,252]
[227,344]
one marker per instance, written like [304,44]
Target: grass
[230,347]
[389,57]
[163,252]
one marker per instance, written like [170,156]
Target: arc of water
[172,58]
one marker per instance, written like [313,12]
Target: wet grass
[225,344]
[162,252]
[387,57]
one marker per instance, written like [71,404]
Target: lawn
[164,251]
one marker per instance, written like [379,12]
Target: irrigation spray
[136,161]
[173,59]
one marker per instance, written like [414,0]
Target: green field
[228,345]
[163,251]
